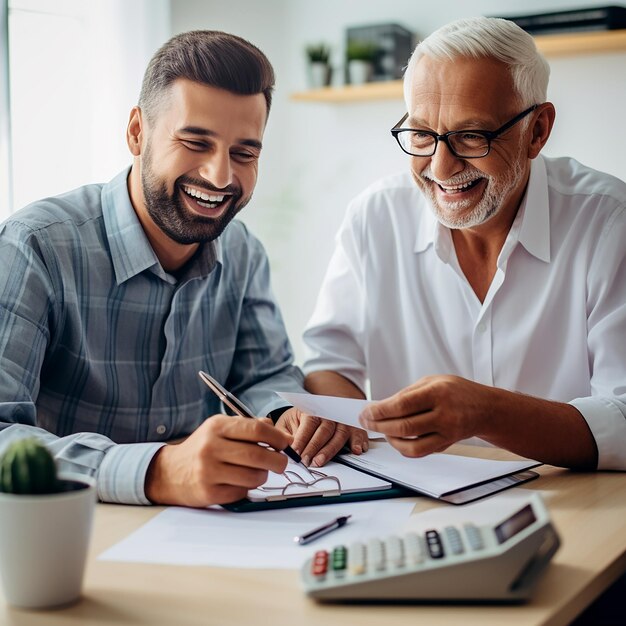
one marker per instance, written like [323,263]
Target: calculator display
[517,522]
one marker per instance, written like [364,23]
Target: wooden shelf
[387,90]
[570,44]
[560,45]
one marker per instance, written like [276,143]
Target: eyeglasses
[464,144]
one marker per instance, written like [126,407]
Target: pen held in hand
[314,534]
[238,407]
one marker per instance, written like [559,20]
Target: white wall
[318,156]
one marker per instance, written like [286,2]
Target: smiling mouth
[205,199]
[459,188]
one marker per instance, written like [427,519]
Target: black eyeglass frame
[489,135]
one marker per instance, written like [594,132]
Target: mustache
[203,184]
[469,174]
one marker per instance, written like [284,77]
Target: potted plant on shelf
[360,57]
[319,65]
[45,519]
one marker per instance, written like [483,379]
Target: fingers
[417,398]
[420,446]
[217,463]
[316,438]
[304,432]
[223,442]
[249,430]
[328,440]
[337,440]
[405,427]
[358,441]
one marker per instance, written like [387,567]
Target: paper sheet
[342,410]
[435,474]
[262,539]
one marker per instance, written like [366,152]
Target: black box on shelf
[392,46]
[592,18]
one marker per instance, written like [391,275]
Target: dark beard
[170,214]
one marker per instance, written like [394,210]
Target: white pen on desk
[312,535]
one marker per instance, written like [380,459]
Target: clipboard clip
[319,481]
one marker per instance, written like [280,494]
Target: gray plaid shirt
[100,348]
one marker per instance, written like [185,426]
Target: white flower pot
[359,72]
[319,75]
[43,544]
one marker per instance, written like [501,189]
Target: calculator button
[414,549]
[395,551]
[433,542]
[356,559]
[474,536]
[376,552]
[454,539]
[339,558]
[319,565]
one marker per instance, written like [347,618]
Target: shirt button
[161,429]
[482,327]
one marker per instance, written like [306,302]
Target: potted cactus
[45,519]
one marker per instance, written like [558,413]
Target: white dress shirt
[395,305]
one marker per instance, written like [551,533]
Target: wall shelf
[560,45]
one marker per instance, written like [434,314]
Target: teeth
[201,195]
[457,187]
[462,186]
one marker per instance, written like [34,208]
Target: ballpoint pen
[237,406]
[312,535]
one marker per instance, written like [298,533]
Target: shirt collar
[534,230]
[428,230]
[432,232]
[131,252]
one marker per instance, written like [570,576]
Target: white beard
[453,214]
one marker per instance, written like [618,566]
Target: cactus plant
[27,467]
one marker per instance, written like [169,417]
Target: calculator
[492,562]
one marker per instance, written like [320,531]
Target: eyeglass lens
[462,144]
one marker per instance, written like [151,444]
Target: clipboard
[245,505]
[331,484]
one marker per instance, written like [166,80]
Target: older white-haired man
[483,294]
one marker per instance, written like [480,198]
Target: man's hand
[217,463]
[430,415]
[318,440]
[437,411]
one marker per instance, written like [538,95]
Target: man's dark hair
[210,57]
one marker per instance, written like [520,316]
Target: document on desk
[262,539]
[435,475]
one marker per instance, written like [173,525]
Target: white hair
[492,37]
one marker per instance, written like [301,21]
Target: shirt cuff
[121,476]
[607,423]
[274,405]
[276,413]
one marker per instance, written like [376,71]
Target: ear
[541,128]
[134,131]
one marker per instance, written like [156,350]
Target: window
[74,72]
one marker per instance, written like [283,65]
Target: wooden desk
[589,511]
